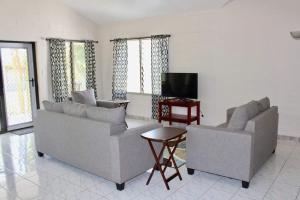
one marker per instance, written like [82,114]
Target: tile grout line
[210,187]
[294,147]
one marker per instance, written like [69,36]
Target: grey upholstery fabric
[242,114]
[54,107]
[75,109]
[233,153]
[107,104]
[88,145]
[263,104]
[252,109]
[115,116]
[84,97]
[239,118]
[111,115]
[224,125]
[219,151]
[265,129]
[132,152]
[229,113]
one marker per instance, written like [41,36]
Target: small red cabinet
[180,118]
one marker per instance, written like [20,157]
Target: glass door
[18,94]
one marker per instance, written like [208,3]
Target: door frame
[36,81]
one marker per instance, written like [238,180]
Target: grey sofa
[105,148]
[231,149]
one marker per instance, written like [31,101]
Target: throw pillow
[53,107]
[114,116]
[239,118]
[242,115]
[263,104]
[252,109]
[84,97]
[111,115]
[75,109]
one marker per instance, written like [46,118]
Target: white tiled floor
[23,175]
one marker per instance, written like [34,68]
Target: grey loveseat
[237,148]
[93,139]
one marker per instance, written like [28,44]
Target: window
[75,62]
[139,66]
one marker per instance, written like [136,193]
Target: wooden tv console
[171,117]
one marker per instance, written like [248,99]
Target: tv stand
[171,117]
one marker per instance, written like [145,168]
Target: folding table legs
[158,165]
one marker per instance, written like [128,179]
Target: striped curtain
[160,64]
[120,62]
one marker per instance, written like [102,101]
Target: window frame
[141,67]
[70,65]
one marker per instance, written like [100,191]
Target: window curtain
[57,50]
[160,64]
[120,62]
[90,61]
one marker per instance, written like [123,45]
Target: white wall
[241,52]
[32,19]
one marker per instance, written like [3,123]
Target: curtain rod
[69,40]
[138,38]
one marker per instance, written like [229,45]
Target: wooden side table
[164,136]
[180,118]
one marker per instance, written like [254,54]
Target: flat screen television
[179,85]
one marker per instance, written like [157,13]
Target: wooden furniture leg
[198,113]
[189,115]
[173,151]
[157,163]
[173,160]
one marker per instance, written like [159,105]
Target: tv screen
[179,85]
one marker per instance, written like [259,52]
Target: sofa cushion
[75,109]
[111,115]
[252,109]
[242,115]
[115,116]
[263,104]
[53,107]
[84,97]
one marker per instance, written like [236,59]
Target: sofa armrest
[131,154]
[265,132]
[229,113]
[220,151]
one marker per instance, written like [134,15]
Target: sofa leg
[245,184]
[121,186]
[273,151]
[40,154]
[190,171]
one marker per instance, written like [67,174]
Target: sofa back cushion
[242,115]
[84,97]
[53,107]
[115,116]
[263,104]
[111,115]
[75,109]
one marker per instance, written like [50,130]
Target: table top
[163,134]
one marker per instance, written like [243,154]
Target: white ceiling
[106,11]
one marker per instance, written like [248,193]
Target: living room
[241,50]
